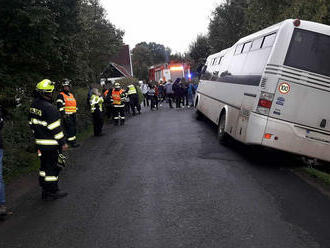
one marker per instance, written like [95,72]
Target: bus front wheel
[222,135]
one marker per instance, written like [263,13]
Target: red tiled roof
[123,58]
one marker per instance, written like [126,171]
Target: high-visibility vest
[105,93]
[116,96]
[70,103]
[94,101]
[131,89]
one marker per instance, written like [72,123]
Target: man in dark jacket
[45,122]
[177,92]
[3,208]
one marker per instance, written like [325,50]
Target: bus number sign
[284,88]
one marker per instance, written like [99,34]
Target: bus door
[248,102]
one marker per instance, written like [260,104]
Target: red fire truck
[169,71]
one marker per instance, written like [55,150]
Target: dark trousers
[70,130]
[169,98]
[97,122]
[49,171]
[146,100]
[177,101]
[154,102]
[134,102]
[108,110]
[119,115]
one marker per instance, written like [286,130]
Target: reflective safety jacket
[96,103]
[45,122]
[118,97]
[105,93]
[66,103]
[131,89]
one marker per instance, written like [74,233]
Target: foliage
[52,39]
[145,55]
[199,50]
[227,24]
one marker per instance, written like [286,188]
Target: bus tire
[222,135]
[198,115]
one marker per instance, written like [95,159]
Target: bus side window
[220,60]
[257,44]
[204,69]
[239,49]
[269,40]
[246,47]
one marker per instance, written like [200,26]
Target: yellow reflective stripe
[54,124]
[59,136]
[59,100]
[46,142]
[61,109]
[72,138]
[42,173]
[51,178]
[38,122]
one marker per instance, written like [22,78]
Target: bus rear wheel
[222,135]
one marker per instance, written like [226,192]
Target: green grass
[322,176]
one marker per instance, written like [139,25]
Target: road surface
[162,180]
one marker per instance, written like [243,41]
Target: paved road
[163,181]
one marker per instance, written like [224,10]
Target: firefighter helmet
[45,86]
[66,82]
[117,86]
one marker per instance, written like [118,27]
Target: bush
[20,153]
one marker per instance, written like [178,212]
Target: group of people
[115,102]
[179,91]
[54,127]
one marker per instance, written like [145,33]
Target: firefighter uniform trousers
[69,125]
[119,114]
[49,171]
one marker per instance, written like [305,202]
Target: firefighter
[133,98]
[118,96]
[67,106]
[45,122]
[96,106]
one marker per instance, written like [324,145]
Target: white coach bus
[272,88]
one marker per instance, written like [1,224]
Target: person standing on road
[169,92]
[152,94]
[177,92]
[145,88]
[45,122]
[96,103]
[191,94]
[3,208]
[67,106]
[133,98]
[118,96]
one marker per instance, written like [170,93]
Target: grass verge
[321,176]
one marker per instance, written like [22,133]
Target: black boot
[50,196]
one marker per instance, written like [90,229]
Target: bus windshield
[309,51]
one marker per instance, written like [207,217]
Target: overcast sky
[173,23]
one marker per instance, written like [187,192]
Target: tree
[145,55]
[227,24]
[199,50]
